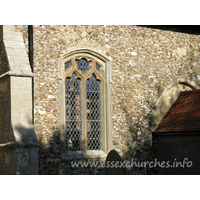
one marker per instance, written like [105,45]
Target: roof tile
[184,115]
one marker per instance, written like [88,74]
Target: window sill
[71,155]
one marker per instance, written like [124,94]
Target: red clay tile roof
[184,115]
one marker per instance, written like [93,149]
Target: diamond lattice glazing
[73,113]
[67,65]
[83,65]
[93,100]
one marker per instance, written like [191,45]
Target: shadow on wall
[20,152]
[139,142]
[25,133]
[49,159]
[51,163]
[3,57]
[139,146]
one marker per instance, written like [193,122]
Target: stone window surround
[105,63]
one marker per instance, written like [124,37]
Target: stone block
[7,159]
[196,68]
[21,104]
[28,83]
[16,112]
[133,53]
[42,112]
[15,118]
[10,157]
[24,131]
[113,158]
[22,158]
[16,61]
[20,94]
[16,94]
[1,32]
[3,86]
[16,52]
[21,83]
[8,136]
[7,116]
[181,51]
[18,37]
[8,32]
[6,96]
[26,115]
[14,44]
[27,94]
[198,78]
[33,156]
[21,68]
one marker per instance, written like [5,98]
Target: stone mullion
[83,114]
[103,119]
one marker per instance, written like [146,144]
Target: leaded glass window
[67,65]
[83,105]
[73,112]
[83,65]
[93,95]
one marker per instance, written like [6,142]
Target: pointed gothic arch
[86,65]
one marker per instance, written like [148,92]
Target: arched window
[85,106]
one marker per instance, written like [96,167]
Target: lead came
[73,113]
[67,65]
[83,65]
[73,109]
[93,114]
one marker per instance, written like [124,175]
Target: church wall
[144,63]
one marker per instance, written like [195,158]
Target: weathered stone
[181,51]
[113,165]
[145,62]
[3,86]
[16,105]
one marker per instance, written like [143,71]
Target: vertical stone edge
[108,107]
[20,154]
[61,106]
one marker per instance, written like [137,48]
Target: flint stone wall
[144,63]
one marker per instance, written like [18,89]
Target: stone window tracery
[90,105]
[86,120]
